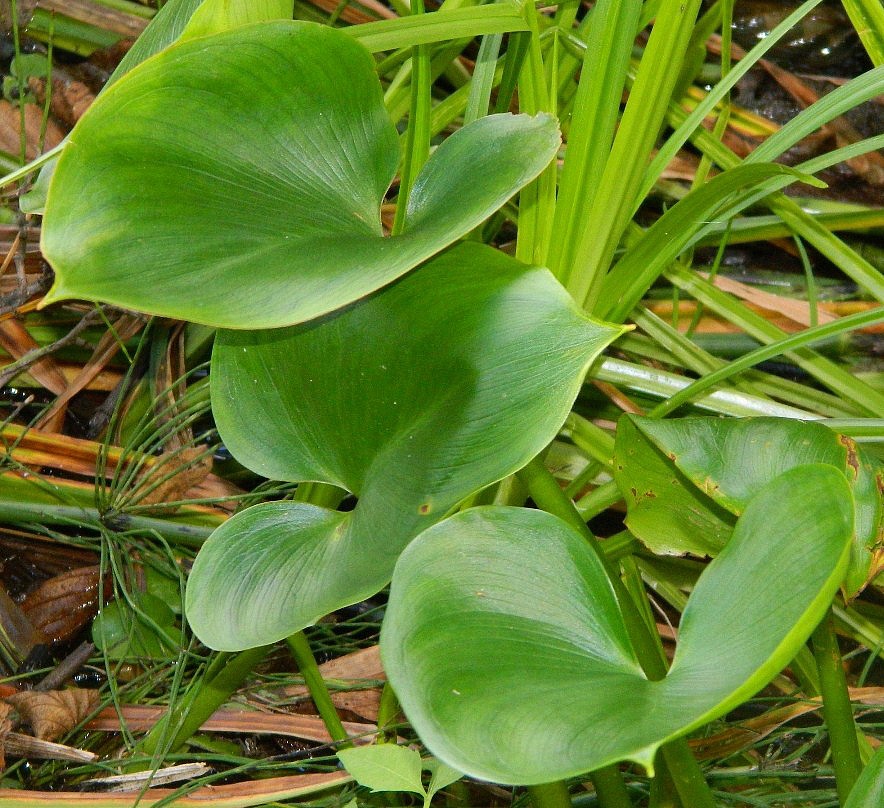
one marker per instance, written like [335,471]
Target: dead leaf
[738,736]
[54,712]
[99,15]
[19,634]
[10,123]
[357,669]
[182,470]
[68,100]
[5,727]
[364,703]
[140,718]
[125,326]
[61,606]
[24,12]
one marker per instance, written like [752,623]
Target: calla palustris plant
[294,148]
[236,180]
[505,644]
[450,379]
[685,480]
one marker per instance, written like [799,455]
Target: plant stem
[686,774]
[224,675]
[550,795]
[610,787]
[300,649]
[417,136]
[837,711]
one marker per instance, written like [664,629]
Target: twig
[14,369]
[67,667]
[14,300]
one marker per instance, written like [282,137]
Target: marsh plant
[235,175]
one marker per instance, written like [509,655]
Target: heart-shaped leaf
[236,180]
[448,380]
[680,476]
[506,648]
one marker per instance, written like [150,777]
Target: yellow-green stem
[300,648]
[550,795]
[837,711]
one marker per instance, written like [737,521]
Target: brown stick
[127,25]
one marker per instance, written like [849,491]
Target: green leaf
[163,30]
[249,220]
[868,791]
[665,509]
[442,775]
[384,767]
[508,653]
[867,17]
[448,380]
[146,631]
[449,23]
[214,16]
[725,462]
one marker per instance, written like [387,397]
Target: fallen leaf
[5,727]
[62,605]
[10,126]
[740,735]
[54,712]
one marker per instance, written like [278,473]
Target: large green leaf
[719,464]
[505,646]
[412,399]
[236,180]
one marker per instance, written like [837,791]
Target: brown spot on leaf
[852,454]
[710,487]
[424,509]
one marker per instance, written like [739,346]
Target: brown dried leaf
[24,12]
[5,727]
[61,606]
[364,703]
[187,467]
[363,664]
[55,712]
[10,123]
[68,100]
[358,668]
